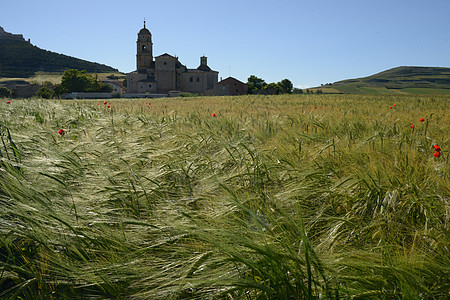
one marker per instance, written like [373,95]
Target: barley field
[249,197]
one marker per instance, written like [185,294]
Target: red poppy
[394,105]
[437,154]
[149,103]
[105,102]
[61,132]
[437,148]
[214,115]
[8,102]
[315,107]
[421,120]
[412,126]
[390,107]
[108,106]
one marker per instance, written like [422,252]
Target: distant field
[403,80]
[272,197]
[419,91]
[54,78]
[351,89]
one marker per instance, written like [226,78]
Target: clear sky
[309,42]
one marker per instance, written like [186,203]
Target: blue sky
[309,42]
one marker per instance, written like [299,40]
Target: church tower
[144,56]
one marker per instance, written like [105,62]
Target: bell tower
[144,56]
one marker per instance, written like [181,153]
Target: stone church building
[165,73]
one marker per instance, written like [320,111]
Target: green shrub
[5,92]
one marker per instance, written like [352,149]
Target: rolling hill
[19,58]
[400,80]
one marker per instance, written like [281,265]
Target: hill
[409,80]
[19,58]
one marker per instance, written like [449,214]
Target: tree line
[74,81]
[258,85]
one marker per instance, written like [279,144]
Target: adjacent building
[230,87]
[165,73]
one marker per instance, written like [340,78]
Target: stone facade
[166,73]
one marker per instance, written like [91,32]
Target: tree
[5,92]
[80,81]
[287,86]
[76,81]
[59,90]
[273,88]
[254,84]
[45,93]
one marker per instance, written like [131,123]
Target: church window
[143,47]
[149,85]
[191,79]
[165,63]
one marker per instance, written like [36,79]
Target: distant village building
[116,85]
[165,73]
[20,88]
[230,87]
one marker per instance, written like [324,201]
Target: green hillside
[19,58]
[400,80]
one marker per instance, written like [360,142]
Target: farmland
[286,197]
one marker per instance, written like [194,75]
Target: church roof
[144,31]
[204,68]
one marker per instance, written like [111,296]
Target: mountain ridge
[21,59]
[402,79]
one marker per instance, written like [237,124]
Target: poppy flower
[437,148]
[315,107]
[437,154]
[8,102]
[421,120]
[214,115]
[104,102]
[149,103]
[394,105]
[412,126]
[108,106]
[390,107]
[61,132]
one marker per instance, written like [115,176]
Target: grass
[286,197]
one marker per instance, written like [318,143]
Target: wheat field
[272,197]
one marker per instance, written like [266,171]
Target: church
[165,73]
